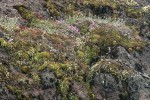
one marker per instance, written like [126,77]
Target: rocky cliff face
[74,49]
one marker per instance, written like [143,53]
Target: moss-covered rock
[63,56]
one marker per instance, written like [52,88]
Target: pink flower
[73,29]
[93,25]
[60,21]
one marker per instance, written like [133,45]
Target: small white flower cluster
[131,2]
[146,8]
[8,23]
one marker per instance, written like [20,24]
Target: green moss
[87,84]
[73,97]
[84,27]
[109,38]
[61,9]
[53,10]
[64,88]
[16,91]
[41,56]
[42,67]
[54,66]
[5,75]
[134,12]
[25,33]
[26,13]
[80,54]
[36,77]
[70,9]
[4,43]
[25,69]
[91,53]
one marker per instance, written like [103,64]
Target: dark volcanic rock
[37,6]
[143,59]
[145,31]
[138,87]
[102,11]
[48,79]
[4,93]
[105,87]
[134,87]
[125,56]
[80,90]
[50,94]
[138,60]
[3,56]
